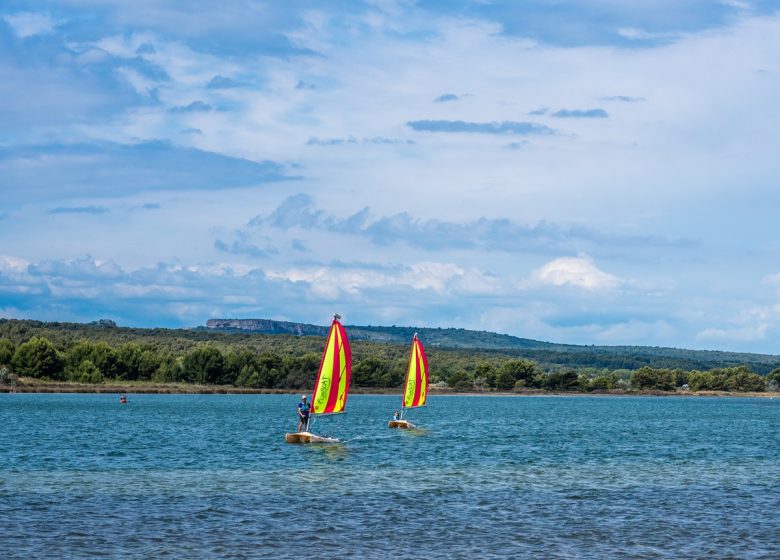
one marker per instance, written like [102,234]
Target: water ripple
[175,476]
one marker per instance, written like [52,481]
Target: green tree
[604,382]
[370,372]
[235,362]
[6,376]
[170,370]
[520,370]
[75,355]
[740,378]
[460,381]
[107,360]
[701,380]
[248,377]
[148,364]
[505,381]
[562,381]
[270,369]
[89,373]
[486,372]
[300,371]
[204,365]
[773,379]
[7,350]
[38,358]
[129,358]
[651,378]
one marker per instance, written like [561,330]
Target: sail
[416,387]
[332,385]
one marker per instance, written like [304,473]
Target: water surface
[204,476]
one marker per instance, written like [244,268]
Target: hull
[404,424]
[308,437]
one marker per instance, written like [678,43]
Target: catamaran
[332,384]
[416,386]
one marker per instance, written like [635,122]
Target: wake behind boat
[415,387]
[331,386]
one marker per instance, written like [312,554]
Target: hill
[547,353]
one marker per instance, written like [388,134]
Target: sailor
[303,414]
[396,415]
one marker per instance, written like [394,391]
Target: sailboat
[332,384]
[416,386]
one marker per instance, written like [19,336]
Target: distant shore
[37,386]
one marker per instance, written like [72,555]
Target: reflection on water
[210,476]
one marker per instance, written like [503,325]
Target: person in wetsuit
[304,408]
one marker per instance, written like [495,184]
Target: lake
[205,476]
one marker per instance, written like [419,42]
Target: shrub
[38,358]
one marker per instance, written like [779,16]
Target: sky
[590,172]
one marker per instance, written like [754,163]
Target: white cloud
[579,271]
[712,126]
[441,278]
[747,333]
[27,24]
[746,325]
[741,5]
[10,263]
[634,33]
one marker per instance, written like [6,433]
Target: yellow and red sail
[416,386]
[332,384]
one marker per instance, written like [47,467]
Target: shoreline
[187,389]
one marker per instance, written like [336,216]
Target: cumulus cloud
[444,279]
[580,272]
[9,263]
[27,24]
[178,294]
[505,127]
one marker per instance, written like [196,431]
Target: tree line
[375,365]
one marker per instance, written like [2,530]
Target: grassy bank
[32,385]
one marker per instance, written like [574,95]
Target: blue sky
[583,172]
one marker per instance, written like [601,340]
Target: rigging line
[338,351]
